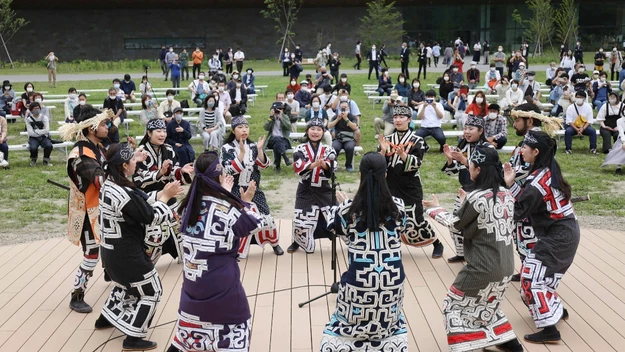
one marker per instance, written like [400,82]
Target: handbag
[580,121]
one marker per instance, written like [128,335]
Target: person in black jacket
[404,57]
[383,54]
[422,61]
[241,99]
[373,56]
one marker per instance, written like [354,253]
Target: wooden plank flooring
[36,279]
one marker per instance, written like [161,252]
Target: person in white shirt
[436,52]
[529,81]
[579,118]
[492,77]
[167,107]
[607,116]
[431,113]
[294,105]
[477,50]
[514,96]
[224,96]
[428,54]
[239,56]
[70,103]
[358,56]
[199,89]
[550,73]
[329,50]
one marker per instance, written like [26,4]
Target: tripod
[335,284]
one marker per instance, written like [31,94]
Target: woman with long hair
[149,109]
[125,211]
[458,163]
[313,200]
[214,314]
[544,198]
[243,160]
[478,108]
[486,221]
[211,123]
[160,168]
[369,224]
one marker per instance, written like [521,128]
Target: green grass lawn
[25,197]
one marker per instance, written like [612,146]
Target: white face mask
[579,101]
[235,76]
[492,115]
[170,97]
[479,100]
[343,98]
[315,104]
[581,70]
[515,86]
[289,96]
[473,66]
[201,77]
[178,117]
[293,83]
[530,78]
[112,97]
[600,50]
[455,70]
[402,80]
[171,50]
[7,87]
[492,69]
[344,80]
[416,85]
[613,101]
[521,68]
[29,89]
[249,72]
[116,85]
[72,96]
[38,100]
[221,89]
[82,102]
[499,49]
[446,78]
[305,89]
[602,79]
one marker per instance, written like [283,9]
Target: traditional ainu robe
[557,233]
[244,172]
[404,181]
[473,318]
[368,315]
[313,199]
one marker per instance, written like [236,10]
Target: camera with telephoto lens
[277,106]
[429,101]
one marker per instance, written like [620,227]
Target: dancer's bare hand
[248,195]
[431,203]
[226,181]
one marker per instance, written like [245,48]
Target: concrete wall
[99,34]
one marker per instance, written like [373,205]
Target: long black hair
[231,137]
[202,163]
[482,139]
[381,197]
[547,159]
[491,172]
[115,173]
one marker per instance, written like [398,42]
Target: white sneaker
[4,163]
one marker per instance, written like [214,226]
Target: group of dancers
[124,204]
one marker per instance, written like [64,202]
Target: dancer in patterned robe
[243,160]
[458,163]
[545,200]
[214,314]
[525,121]
[473,316]
[124,212]
[84,168]
[160,168]
[368,315]
[311,161]
[404,151]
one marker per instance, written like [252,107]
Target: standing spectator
[178,136]
[51,65]
[249,80]
[525,52]
[214,65]
[383,55]
[199,89]
[404,57]
[495,130]
[183,59]
[428,54]
[608,116]
[486,49]
[477,50]
[70,103]
[422,61]
[579,118]
[458,61]
[145,88]
[197,57]
[599,59]
[169,59]
[38,127]
[431,113]
[358,56]
[374,61]
[320,60]
[436,52]
[211,124]
[568,62]
[402,87]
[621,79]
[563,51]
[601,90]
[114,103]
[4,148]
[385,84]
[174,68]
[616,60]
[447,55]
[298,53]
[344,125]
[238,96]
[500,60]
[285,59]
[296,68]
[129,88]
[473,75]
[220,56]
[579,53]
[335,65]
[161,59]
[7,97]
[149,109]
[328,50]
[229,60]
[239,57]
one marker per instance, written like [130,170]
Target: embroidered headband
[123,155]
[484,155]
[238,120]
[402,111]
[316,122]
[156,124]
[475,121]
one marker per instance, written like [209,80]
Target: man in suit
[374,61]
[404,56]
[422,60]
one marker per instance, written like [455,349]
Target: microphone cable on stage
[248,296]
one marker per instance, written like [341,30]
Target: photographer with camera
[344,125]
[38,127]
[431,113]
[385,123]
[322,80]
[278,127]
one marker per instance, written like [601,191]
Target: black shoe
[516,278]
[510,346]
[293,247]
[287,161]
[172,348]
[277,250]
[438,250]
[278,170]
[456,259]
[618,171]
[132,343]
[565,314]
[78,303]
[547,335]
[102,323]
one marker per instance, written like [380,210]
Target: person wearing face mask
[38,128]
[568,62]
[51,65]
[514,95]
[6,98]
[166,108]
[175,70]
[563,50]
[616,61]
[29,89]
[473,75]
[285,59]
[477,50]
[224,96]
[580,78]
[233,80]
[197,57]
[457,61]
[293,85]
[304,97]
[550,73]
[239,57]
[578,52]
[495,128]
[385,84]
[328,100]
[456,75]
[183,59]
[161,59]
[358,56]
[344,125]
[608,115]
[402,87]
[422,59]
[373,56]
[520,73]
[446,87]
[322,80]
[404,58]
[595,77]
[211,124]
[599,59]
[294,106]
[80,107]
[602,88]
[128,87]
[169,59]
[501,89]
[199,89]
[238,96]
[530,87]
[436,53]
[178,136]
[248,81]
[114,103]
[492,78]
[342,84]
[299,54]
[295,68]
[214,64]
[145,87]
[335,64]
[416,97]
[118,91]
[70,103]
[278,127]
[149,111]
[579,118]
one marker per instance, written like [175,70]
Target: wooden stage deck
[36,279]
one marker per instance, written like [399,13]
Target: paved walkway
[43,77]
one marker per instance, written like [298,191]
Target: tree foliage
[539,27]
[284,14]
[9,22]
[382,23]
[567,22]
